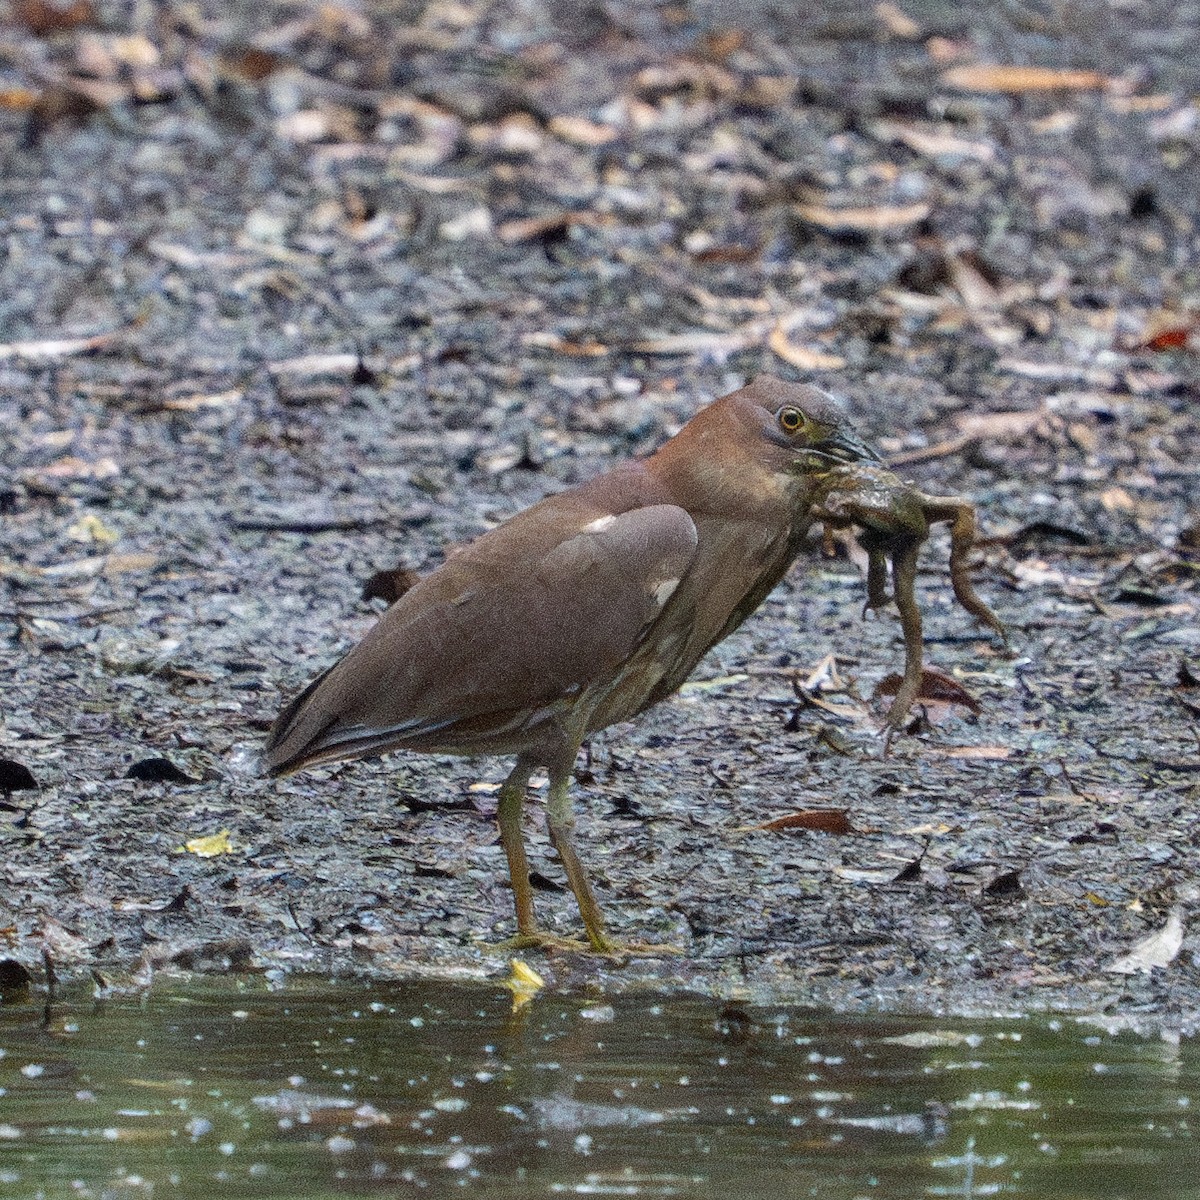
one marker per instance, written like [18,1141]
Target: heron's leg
[560,821]
[508,817]
[512,798]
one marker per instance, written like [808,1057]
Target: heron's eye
[791,419]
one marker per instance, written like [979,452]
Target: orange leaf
[1175,338]
[822,820]
[995,77]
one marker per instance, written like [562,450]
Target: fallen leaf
[865,874]
[579,131]
[208,847]
[713,684]
[159,770]
[896,21]
[524,983]
[124,564]
[994,77]
[928,1039]
[390,585]
[18,99]
[932,142]
[1006,884]
[528,229]
[969,752]
[1001,426]
[89,528]
[1157,950]
[70,467]
[55,347]
[209,400]
[935,686]
[46,16]
[880,218]
[700,341]
[553,341]
[15,777]
[802,357]
[820,820]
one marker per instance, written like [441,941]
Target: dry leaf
[125,564]
[89,528]
[704,341]
[528,229]
[46,16]
[711,685]
[820,820]
[865,874]
[579,131]
[935,687]
[897,22]
[55,347]
[1157,950]
[524,983]
[876,219]
[969,752]
[309,366]
[1000,426]
[988,77]
[71,467]
[18,99]
[800,356]
[553,341]
[211,400]
[934,143]
[208,847]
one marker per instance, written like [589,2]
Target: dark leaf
[1038,532]
[935,687]
[158,770]
[14,978]
[15,777]
[1006,885]
[389,585]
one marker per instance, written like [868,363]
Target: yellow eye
[791,419]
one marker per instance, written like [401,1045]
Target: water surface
[320,1089]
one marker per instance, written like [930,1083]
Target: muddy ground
[290,294]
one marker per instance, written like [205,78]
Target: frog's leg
[961,516]
[904,578]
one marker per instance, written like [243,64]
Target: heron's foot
[645,949]
[540,940]
[599,944]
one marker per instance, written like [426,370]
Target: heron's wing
[506,633]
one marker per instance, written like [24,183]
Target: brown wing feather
[507,629]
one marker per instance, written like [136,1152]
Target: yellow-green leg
[560,821]
[512,799]
[508,817]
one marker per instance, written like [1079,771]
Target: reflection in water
[320,1089]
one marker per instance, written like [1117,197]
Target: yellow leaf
[89,528]
[210,846]
[524,983]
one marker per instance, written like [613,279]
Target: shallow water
[321,1089]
